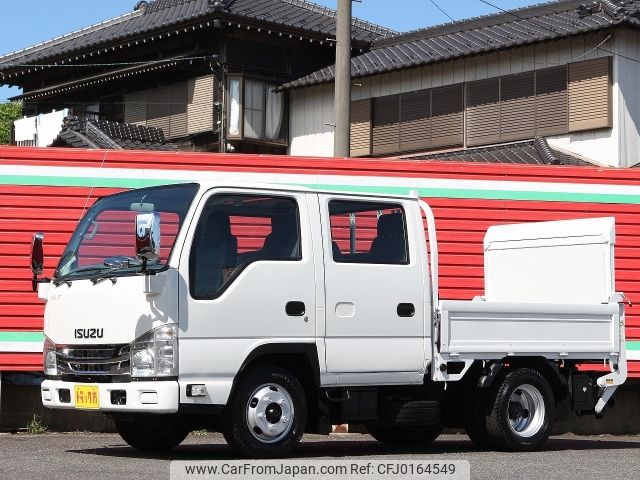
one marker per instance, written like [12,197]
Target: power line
[533,62]
[445,13]
[510,12]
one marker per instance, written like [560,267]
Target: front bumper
[142,397]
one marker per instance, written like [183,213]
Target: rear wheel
[157,433]
[422,435]
[477,431]
[267,415]
[476,421]
[523,410]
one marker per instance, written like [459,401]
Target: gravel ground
[80,456]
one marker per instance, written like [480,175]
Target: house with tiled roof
[203,72]
[550,83]
[560,77]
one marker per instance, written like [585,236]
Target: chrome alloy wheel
[270,413]
[526,411]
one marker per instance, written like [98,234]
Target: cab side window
[368,232]
[237,230]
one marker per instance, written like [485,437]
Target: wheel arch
[301,359]
[548,369]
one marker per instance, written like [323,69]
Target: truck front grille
[104,363]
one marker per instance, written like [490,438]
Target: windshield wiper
[112,265]
[65,278]
[115,264]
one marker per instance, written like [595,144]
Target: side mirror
[148,236]
[37,259]
[37,254]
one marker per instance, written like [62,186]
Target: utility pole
[341,147]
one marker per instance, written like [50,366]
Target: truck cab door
[248,281]
[374,285]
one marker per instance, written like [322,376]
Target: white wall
[627,117]
[311,121]
[310,108]
[41,129]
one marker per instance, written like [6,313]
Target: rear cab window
[368,232]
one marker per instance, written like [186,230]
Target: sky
[40,20]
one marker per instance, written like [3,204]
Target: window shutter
[361,128]
[415,120]
[159,109]
[135,108]
[386,127]
[201,97]
[590,94]
[178,118]
[517,107]
[552,109]
[447,118]
[483,112]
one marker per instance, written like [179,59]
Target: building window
[551,101]
[180,109]
[254,107]
[408,122]
[255,111]
[235,101]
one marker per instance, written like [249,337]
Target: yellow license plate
[87,397]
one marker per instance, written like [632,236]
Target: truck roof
[206,185]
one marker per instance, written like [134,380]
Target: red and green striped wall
[47,189]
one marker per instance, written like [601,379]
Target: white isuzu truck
[266,311]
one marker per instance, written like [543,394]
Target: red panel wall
[461,223]
[23,211]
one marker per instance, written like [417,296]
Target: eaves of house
[171,17]
[515,28]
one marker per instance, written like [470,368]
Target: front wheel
[152,433]
[267,415]
[394,435]
[523,412]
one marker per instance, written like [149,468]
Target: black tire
[152,433]
[394,435]
[477,431]
[253,404]
[476,421]
[523,412]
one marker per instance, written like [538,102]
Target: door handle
[406,310]
[295,309]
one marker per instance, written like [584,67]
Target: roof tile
[79,132]
[530,152]
[491,32]
[160,14]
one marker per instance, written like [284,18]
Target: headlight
[155,354]
[49,358]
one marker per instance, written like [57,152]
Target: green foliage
[36,427]
[8,113]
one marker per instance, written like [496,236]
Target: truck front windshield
[105,239]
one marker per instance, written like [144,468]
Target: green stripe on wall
[488,194]
[29,337]
[578,197]
[82,181]
[633,345]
